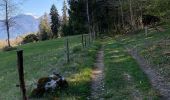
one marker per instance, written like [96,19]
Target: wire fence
[36,65]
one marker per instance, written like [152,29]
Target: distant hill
[23,24]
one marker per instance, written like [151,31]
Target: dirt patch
[157,81]
[98,77]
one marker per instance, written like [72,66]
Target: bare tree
[8,10]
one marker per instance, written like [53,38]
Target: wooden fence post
[21,73]
[67,50]
[85,41]
[82,40]
[146,30]
[89,39]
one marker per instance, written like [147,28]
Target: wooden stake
[82,40]
[21,73]
[146,30]
[67,50]
[85,41]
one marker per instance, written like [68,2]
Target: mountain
[23,24]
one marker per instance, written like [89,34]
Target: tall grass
[14,42]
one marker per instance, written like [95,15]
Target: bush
[30,38]
[77,49]
[97,45]
[44,36]
[7,48]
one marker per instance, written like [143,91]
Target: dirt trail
[97,77]
[157,81]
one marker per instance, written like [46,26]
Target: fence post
[82,40]
[67,50]
[85,40]
[146,30]
[21,73]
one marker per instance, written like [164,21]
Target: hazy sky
[39,7]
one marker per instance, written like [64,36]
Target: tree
[78,17]
[122,13]
[65,29]
[65,19]
[44,28]
[54,21]
[8,10]
[114,16]
[30,38]
[88,20]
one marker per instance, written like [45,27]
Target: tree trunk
[141,16]
[121,8]
[131,15]
[7,24]
[93,28]
[88,20]
[9,45]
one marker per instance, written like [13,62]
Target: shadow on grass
[119,63]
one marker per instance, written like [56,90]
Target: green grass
[123,77]
[41,59]
[154,47]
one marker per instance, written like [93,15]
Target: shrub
[150,19]
[97,45]
[7,48]
[43,36]
[77,49]
[30,38]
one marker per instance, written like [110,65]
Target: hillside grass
[124,80]
[154,47]
[42,59]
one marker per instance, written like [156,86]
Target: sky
[39,7]
[36,8]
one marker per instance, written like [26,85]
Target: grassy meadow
[124,80]
[42,59]
[154,47]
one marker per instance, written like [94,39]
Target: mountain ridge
[24,24]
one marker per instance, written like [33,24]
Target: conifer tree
[54,21]
[78,16]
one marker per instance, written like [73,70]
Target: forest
[116,16]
